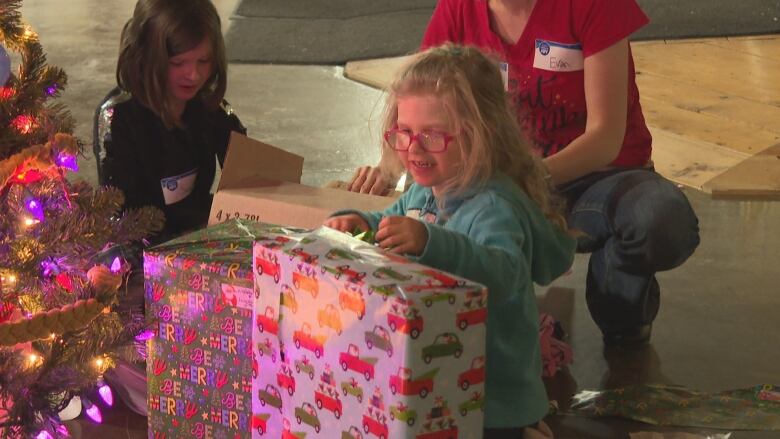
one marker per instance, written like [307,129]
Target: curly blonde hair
[489,137]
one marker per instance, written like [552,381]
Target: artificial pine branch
[50,257]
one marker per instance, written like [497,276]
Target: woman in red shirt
[569,72]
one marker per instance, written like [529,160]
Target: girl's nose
[416,144]
[193,74]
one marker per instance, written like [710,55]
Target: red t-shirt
[545,66]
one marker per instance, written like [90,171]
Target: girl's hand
[403,235]
[347,223]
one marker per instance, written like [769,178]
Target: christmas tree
[62,276]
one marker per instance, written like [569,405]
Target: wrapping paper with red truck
[369,345]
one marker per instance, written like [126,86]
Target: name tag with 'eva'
[558,57]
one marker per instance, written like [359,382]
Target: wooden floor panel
[696,99]
[766,47]
[712,105]
[707,127]
[725,71]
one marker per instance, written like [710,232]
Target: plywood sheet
[376,73]
[697,125]
[690,162]
[755,177]
[723,70]
[684,95]
[767,47]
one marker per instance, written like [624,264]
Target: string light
[24,123]
[7,93]
[35,360]
[105,394]
[92,410]
[29,33]
[34,206]
[68,162]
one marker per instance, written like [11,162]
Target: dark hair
[158,30]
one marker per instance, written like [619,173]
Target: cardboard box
[262,183]
[353,342]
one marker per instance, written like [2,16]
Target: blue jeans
[635,223]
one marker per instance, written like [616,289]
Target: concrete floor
[718,327]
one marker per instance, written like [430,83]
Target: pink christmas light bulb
[106,395]
[44,435]
[145,335]
[35,208]
[116,265]
[68,162]
[93,412]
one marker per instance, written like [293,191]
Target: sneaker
[630,338]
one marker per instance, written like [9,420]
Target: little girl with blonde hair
[480,207]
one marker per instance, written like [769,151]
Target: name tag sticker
[177,188]
[558,57]
[504,68]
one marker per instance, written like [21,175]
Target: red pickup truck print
[306,283]
[267,263]
[403,383]
[404,317]
[352,300]
[267,321]
[474,375]
[443,279]
[328,400]
[303,338]
[259,423]
[303,255]
[286,380]
[351,360]
[373,426]
[469,317]
[344,270]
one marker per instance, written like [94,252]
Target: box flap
[248,159]
[289,204]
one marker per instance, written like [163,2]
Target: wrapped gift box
[353,342]
[200,302]
[265,331]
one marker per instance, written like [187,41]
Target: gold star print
[205,416]
[235,385]
[173,372]
[204,341]
[234,310]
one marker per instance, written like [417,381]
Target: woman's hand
[370,180]
[347,223]
[403,235]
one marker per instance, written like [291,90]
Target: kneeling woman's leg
[636,223]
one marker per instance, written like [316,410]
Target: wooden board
[690,162]
[724,70]
[755,177]
[710,104]
[377,73]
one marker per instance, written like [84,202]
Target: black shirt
[142,156]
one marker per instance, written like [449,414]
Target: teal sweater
[498,237]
